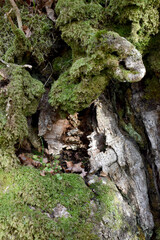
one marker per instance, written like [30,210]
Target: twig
[10,20]
[50,74]
[17,12]
[9,64]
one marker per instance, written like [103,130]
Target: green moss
[158,234]
[70,11]
[20,46]
[8,157]
[77,88]
[152,89]
[76,20]
[94,59]
[143,17]
[16,46]
[96,55]
[153,60]
[108,204]
[26,198]
[132,132]
[110,209]
[42,37]
[18,99]
[62,63]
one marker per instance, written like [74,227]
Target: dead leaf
[83,173]
[69,164]
[27,31]
[50,13]
[42,173]
[49,10]
[27,161]
[75,168]
[48,3]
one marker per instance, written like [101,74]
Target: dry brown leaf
[83,173]
[49,10]
[27,31]
[42,173]
[75,168]
[27,161]
[69,164]
[48,3]
[45,160]
[50,14]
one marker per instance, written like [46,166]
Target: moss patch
[13,42]
[111,212]
[152,89]
[142,16]
[96,56]
[26,198]
[18,100]
[62,63]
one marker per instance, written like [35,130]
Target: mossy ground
[26,198]
[27,201]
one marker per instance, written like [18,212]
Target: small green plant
[50,167]
[38,158]
[53,167]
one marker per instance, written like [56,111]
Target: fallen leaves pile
[75,168]
[52,166]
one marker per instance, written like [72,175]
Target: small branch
[50,74]
[9,64]
[17,12]
[26,66]
[2,61]
[11,21]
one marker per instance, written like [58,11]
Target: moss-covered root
[18,100]
[27,202]
[98,56]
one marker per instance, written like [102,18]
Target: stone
[60,211]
